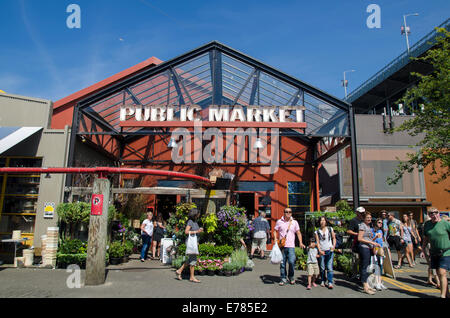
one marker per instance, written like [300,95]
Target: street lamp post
[406,29]
[345,82]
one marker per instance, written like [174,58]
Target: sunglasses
[289,212]
[431,213]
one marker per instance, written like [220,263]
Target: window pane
[299,199]
[298,187]
[265,200]
[255,186]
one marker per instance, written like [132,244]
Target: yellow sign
[49,210]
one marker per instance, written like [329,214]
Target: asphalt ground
[152,279]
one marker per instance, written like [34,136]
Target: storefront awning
[11,136]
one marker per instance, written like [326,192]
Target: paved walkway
[153,279]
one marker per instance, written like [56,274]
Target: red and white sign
[97,204]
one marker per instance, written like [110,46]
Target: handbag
[379,251]
[191,245]
[282,242]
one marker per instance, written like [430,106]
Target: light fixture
[83,139]
[258,144]
[172,143]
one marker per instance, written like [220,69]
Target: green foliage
[232,226]
[116,249]
[301,258]
[73,246]
[208,250]
[210,222]
[343,263]
[239,257]
[67,259]
[432,92]
[74,212]
[228,267]
[177,262]
[176,224]
[128,247]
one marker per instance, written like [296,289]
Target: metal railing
[420,47]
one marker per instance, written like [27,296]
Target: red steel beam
[103,171]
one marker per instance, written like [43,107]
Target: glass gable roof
[239,80]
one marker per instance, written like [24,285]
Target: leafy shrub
[177,262]
[239,257]
[228,267]
[128,247]
[301,258]
[116,250]
[232,226]
[176,224]
[67,259]
[209,250]
[74,246]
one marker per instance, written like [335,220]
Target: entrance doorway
[246,200]
[165,204]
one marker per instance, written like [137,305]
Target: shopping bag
[275,256]
[191,245]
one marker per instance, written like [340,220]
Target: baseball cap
[360,209]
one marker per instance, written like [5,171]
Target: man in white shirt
[146,234]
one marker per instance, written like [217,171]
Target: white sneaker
[378,287]
[382,286]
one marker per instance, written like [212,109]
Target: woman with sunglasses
[364,248]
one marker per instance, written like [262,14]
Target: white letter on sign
[126,111]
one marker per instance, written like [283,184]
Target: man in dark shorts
[437,232]
[353,230]
[394,237]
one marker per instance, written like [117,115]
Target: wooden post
[98,224]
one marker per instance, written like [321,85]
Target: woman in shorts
[407,237]
[158,234]
[191,259]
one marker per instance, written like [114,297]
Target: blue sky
[314,41]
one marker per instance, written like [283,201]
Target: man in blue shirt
[261,230]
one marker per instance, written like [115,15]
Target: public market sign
[219,116]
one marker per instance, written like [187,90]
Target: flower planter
[115,260]
[248,269]
[228,273]
[242,269]
[210,272]
[125,259]
[202,273]
[236,272]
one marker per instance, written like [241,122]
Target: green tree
[432,93]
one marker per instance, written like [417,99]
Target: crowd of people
[370,238]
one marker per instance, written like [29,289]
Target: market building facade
[258,134]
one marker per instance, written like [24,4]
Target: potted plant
[116,253]
[236,268]
[228,269]
[211,270]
